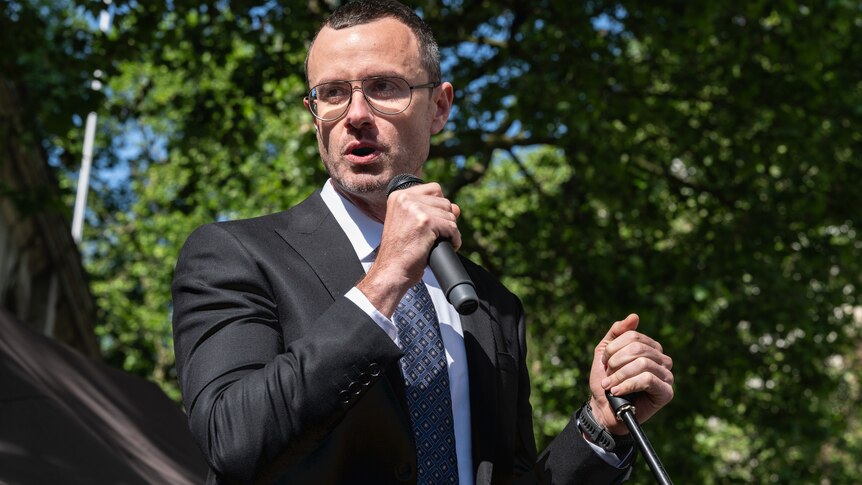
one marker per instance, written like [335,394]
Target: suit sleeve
[252,399]
[568,458]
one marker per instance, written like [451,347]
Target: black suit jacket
[286,380]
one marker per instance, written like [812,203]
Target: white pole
[84,178]
[89,137]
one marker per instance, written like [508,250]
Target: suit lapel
[315,234]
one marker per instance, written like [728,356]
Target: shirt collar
[363,232]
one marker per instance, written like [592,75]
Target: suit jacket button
[355,388]
[345,397]
[374,369]
[404,472]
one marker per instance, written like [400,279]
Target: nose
[358,113]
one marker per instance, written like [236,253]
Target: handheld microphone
[444,263]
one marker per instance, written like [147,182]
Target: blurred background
[695,162]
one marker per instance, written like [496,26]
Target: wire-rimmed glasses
[388,95]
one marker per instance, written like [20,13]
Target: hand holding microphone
[444,262]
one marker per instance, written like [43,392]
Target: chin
[364,184]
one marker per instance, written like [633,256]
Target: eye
[333,93]
[382,88]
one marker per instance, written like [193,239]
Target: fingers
[659,393]
[640,373]
[630,355]
[639,344]
[424,207]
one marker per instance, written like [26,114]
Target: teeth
[362,151]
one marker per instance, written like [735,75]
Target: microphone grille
[402,181]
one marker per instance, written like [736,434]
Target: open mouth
[361,152]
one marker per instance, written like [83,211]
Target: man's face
[364,149]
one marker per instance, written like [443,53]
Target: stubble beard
[365,187]
[366,180]
[363,183]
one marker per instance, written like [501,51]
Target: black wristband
[598,434]
[595,432]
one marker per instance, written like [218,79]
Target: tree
[693,172]
[695,163]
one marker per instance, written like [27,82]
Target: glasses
[385,94]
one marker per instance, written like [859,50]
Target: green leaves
[699,183]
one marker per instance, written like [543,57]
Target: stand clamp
[625,412]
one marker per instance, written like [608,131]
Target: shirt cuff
[385,324]
[610,458]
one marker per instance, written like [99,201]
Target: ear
[314,121]
[443,96]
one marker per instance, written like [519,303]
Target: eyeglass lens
[388,95]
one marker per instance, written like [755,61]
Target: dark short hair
[361,12]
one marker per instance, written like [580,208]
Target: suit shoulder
[306,212]
[253,224]
[235,228]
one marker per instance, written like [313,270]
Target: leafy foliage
[696,163]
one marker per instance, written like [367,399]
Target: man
[294,334]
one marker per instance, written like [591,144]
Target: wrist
[605,417]
[383,291]
[598,434]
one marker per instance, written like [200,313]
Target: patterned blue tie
[426,379]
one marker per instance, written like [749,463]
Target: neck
[372,204]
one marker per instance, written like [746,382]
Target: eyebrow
[376,74]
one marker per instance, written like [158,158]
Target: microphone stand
[625,412]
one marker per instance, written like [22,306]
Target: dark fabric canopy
[67,419]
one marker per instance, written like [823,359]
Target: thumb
[621,327]
[618,328]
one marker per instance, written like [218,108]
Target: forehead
[385,46]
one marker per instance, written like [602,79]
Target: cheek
[419,135]
[416,143]
[323,133]
[415,131]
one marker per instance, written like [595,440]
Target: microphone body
[444,262]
